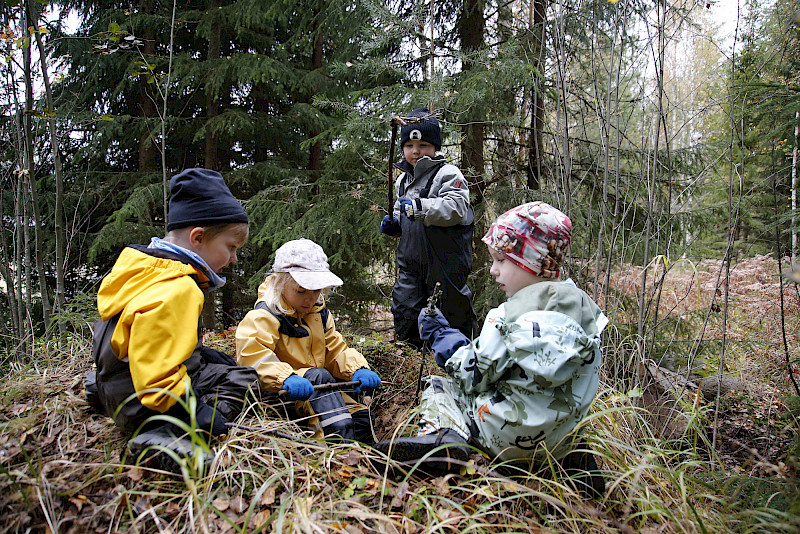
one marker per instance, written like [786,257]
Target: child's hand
[391,226]
[369,379]
[299,388]
[406,207]
[211,420]
[429,324]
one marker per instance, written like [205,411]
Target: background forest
[657,136]
[672,145]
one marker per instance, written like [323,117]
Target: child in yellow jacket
[291,340]
[148,345]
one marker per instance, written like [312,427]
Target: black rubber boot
[153,448]
[410,450]
[91,391]
[584,474]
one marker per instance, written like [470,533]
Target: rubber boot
[449,443]
[584,474]
[91,391]
[160,449]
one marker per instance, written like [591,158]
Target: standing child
[434,220]
[531,375]
[147,344]
[291,340]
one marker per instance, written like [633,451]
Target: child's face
[219,251]
[414,149]
[509,275]
[300,298]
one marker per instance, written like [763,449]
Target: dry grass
[61,471]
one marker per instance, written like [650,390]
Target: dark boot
[91,391]
[160,449]
[584,474]
[450,444]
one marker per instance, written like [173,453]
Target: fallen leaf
[238,505]
[401,491]
[221,504]
[346,472]
[79,501]
[261,517]
[268,497]
[351,459]
[18,409]
[134,473]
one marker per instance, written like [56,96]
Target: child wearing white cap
[291,340]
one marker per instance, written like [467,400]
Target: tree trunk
[315,151]
[471,33]
[28,172]
[794,186]
[537,18]
[60,300]
[212,141]
[147,147]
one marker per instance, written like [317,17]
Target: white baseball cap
[307,263]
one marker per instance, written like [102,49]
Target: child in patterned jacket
[520,388]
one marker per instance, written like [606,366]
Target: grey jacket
[443,201]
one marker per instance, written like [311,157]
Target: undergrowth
[61,471]
[673,460]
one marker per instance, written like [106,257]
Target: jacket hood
[564,297]
[137,269]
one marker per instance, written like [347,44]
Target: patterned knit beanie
[534,236]
[199,197]
[427,129]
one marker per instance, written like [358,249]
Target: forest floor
[675,460]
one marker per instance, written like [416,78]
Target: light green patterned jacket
[533,372]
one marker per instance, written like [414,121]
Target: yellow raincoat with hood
[278,344]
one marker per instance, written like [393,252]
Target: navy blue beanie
[426,129]
[199,197]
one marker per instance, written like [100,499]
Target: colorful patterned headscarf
[534,236]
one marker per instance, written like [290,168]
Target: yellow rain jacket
[277,345]
[160,301]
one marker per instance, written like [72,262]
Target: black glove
[210,355]
[211,420]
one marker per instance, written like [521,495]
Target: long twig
[780,276]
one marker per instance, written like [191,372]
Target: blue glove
[430,324]
[299,388]
[445,340]
[369,379]
[406,207]
[391,226]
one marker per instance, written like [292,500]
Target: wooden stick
[429,310]
[395,124]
